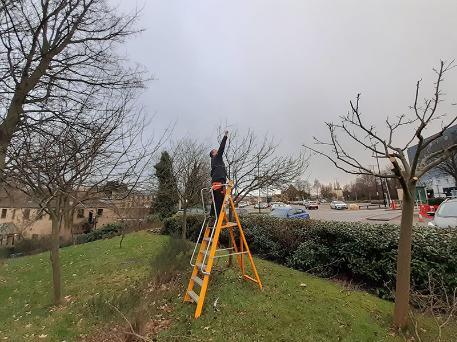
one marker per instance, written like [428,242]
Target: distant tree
[291,193]
[353,127]
[449,168]
[166,199]
[304,188]
[327,191]
[317,187]
[191,171]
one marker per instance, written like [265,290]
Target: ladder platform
[193,295]
[197,280]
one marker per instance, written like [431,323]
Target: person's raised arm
[221,149]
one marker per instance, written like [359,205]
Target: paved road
[325,213]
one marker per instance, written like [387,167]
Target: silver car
[338,205]
[446,215]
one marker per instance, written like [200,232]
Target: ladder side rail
[212,231]
[216,222]
[201,229]
[243,238]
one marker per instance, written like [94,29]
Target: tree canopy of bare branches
[353,126]
[63,165]
[190,172]
[254,163]
[449,168]
[58,51]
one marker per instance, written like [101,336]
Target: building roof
[447,139]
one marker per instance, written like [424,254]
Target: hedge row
[366,253]
[105,232]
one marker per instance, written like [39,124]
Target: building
[435,182]
[21,217]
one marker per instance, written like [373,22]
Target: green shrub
[105,232]
[364,252]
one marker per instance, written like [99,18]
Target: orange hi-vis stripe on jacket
[217,186]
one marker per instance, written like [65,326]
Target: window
[80,213]
[4,211]
[99,212]
[296,211]
[448,209]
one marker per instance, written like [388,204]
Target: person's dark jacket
[218,171]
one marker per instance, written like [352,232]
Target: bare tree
[449,168]
[353,127]
[191,173]
[317,186]
[255,164]
[64,165]
[58,51]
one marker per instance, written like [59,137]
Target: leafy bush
[366,253]
[105,232]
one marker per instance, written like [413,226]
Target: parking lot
[374,216]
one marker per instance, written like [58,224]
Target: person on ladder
[218,177]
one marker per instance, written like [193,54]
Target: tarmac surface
[374,215]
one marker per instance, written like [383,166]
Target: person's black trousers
[219,194]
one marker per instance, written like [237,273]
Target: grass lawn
[100,272]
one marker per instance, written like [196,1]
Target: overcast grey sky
[286,66]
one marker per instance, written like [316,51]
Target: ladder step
[193,295]
[208,239]
[199,265]
[230,224]
[197,280]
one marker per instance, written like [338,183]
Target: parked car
[295,213]
[262,205]
[446,215]
[242,211]
[323,200]
[312,205]
[243,204]
[276,205]
[338,205]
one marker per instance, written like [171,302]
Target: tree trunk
[402,288]
[68,213]
[9,125]
[184,222]
[55,261]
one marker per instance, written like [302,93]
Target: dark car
[295,213]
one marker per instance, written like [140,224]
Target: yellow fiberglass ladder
[208,251]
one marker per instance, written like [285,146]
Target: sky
[284,67]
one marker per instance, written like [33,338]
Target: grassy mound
[106,286]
